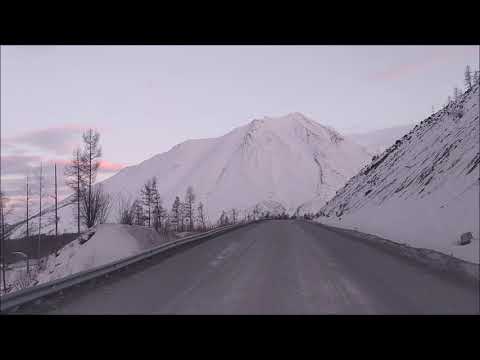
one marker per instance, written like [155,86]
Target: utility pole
[56,216]
[4,263]
[28,200]
[78,192]
[40,216]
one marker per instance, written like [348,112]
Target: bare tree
[96,207]
[75,179]
[5,210]
[138,213]
[90,162]
[28,215]
[201,215]
[476,78]
[256,212]
[189,200]
[125,210]
[40,198]
[234,215]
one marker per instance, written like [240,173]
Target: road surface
[273,267]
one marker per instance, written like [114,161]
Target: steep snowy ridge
[424,189]
[277,163]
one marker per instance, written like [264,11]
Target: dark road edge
[456,269]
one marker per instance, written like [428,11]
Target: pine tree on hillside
[222,218]
[181,215]
[158,211]
[234,215]
[456,93]
[147,200]
[468,77]
[175,218]
[189,200]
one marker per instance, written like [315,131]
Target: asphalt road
[273,267]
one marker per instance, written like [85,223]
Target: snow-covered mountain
[378,140]
[424,189]
[278,163]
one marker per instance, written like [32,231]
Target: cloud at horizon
[22,155]
[58,140]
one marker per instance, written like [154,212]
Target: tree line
[147,210]
[471,79]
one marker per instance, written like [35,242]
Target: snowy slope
[423,190]
[279,163]
[378,140]
[108,243]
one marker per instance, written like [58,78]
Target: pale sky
[146,99]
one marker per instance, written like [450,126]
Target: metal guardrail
[21,297]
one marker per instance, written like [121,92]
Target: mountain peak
[293,116]
[294,123]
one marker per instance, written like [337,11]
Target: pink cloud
[59,139]
[107,166]
[407,69]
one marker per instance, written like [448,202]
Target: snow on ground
[108,243]
[424,190]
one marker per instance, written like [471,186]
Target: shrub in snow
[466,238]
[24,280]
[85,237]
